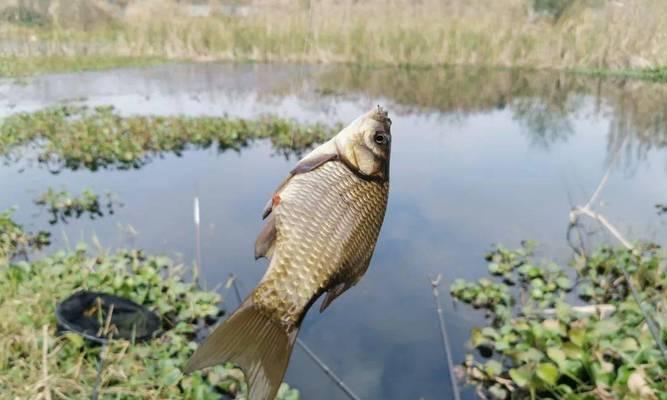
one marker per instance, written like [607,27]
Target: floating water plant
[14,240]
[37,361]
[539,346]
[62,205]
[81,137]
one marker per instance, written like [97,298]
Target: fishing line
[445,338]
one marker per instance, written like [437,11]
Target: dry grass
[588,33]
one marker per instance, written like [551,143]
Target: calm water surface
[479,157]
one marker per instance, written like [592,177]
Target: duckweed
[76,137]
[546,348]
[33,352]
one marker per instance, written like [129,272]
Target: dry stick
[339,382]
[445,339]
[105,330]
[587,211]
[198,266]
[45,365]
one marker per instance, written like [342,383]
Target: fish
[321,228]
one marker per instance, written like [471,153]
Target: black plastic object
[86,312]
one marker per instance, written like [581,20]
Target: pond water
[479,157]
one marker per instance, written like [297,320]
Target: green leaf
[548,373]
[564,283]
[557,355]
[497,392]
[493,368]
[577,335]
[520,376]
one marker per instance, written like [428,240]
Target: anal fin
[333,293]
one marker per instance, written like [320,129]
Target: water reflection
[544,102]
[479,157]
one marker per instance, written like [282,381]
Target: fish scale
[327,224]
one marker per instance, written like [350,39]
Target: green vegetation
[539,346]
[80,137]
[564,34]
[62,205]
[14,240]
[38,362]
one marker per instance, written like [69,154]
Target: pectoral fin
[307,164]
[266,239]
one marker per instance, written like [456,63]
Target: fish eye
[380,138]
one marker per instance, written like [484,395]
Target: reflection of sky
[458,185]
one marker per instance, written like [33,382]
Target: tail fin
[258,344]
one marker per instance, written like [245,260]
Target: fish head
[365,144]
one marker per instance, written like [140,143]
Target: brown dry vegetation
[586,34]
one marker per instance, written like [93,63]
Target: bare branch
[587,211]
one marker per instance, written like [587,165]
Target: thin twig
[598,190]
[100,368]
[106,330]
[445,339]
[45,361]
[587,211]
[325,368]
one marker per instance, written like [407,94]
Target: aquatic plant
[76,137]
[62,205]
[38,361]
[544,347]
[14,240]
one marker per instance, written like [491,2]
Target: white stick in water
[198,266]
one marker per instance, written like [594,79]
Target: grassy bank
[38,362]
[566,34]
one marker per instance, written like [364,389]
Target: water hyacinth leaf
[557,355]
[548,373]
[493,368]
[530,355]
[494,268]
[577,335]
[498,392]
[597,351]
[521,376]
[628,344]
[564,283]
[572,350]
